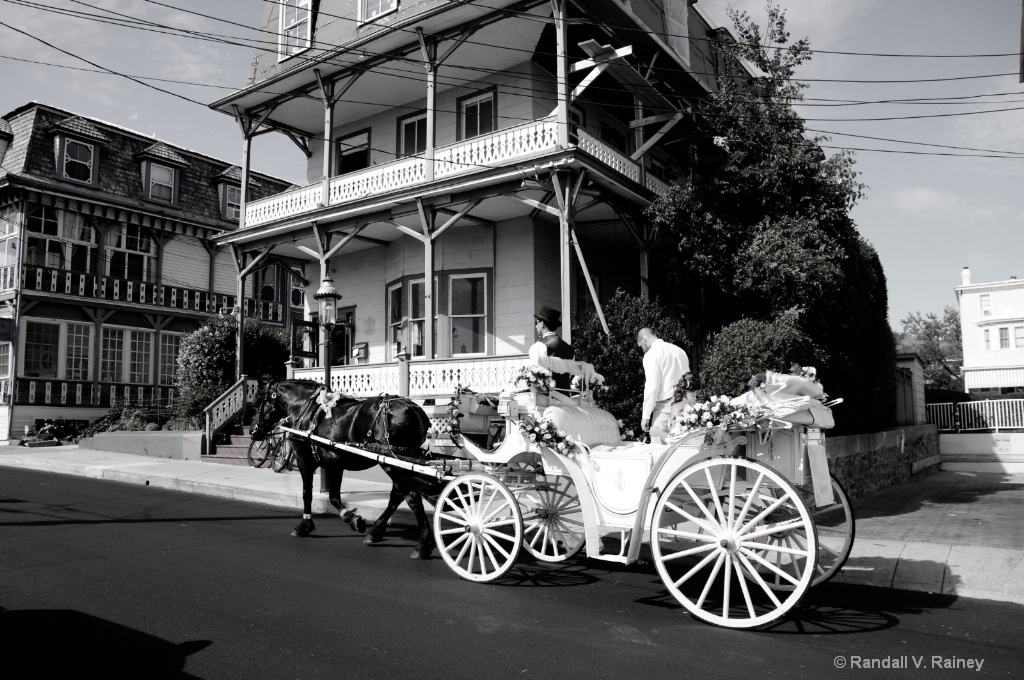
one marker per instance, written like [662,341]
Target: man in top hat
[550,345]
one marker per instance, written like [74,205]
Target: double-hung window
[371,9]
[161,183]
[417,316]
[985,302]
[412,135]
[5,359]
[395,319]
[232,202]
[467,305]
[79,160]
[170,347]
[295,26]
[131,254]
[42,349]
[987,335]
[1018,337]
[1004,338]
[477,115]
[354,152]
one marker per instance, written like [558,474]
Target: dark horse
[386,424]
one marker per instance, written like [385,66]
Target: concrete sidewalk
[955,533]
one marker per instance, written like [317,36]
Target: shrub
[617,357]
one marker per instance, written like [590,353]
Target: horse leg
[375,533]
[426,543]
[349,516]
[307,467]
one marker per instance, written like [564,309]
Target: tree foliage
[764,234]
[617,355]
[939,344]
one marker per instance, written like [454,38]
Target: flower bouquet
[717,415]
[594,382]
[544,431]
[534,377]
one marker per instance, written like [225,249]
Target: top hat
[552,318]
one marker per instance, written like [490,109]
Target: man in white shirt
[664,365]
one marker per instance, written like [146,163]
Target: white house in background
[992,328]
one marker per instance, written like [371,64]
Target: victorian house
[468,163]
[107,257]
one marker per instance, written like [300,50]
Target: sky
[927,215]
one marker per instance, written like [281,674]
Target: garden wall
[868,462]
[184,445]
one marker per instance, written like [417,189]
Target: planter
[41,442]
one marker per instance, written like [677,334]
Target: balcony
[77,284]
[53,392]
[435,378]
[505,147]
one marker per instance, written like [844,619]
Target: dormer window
[232,202]
[78,160]
[295,27]
[161,183]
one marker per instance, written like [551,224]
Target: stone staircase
[232,447]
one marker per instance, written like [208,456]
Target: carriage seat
[589,424]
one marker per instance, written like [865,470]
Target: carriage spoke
[772,567]
[711,579]
[466,545]
[686,534]
[491,543]
[764,513]
[750,499]
[757,578]
[732,494]
[697,567]
[773,529]
[746,593]
[687,516]
[497,534]
[689,551]
[713,488]
[776,547]
[453,519]
[485,546]
[699,502]
[726,585]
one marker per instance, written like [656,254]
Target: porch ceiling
[495,47]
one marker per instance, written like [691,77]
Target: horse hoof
[354,521]
[303,528]
[420,555]
[370,539]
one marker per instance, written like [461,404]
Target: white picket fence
[991,414]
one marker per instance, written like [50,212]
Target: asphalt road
[106,580]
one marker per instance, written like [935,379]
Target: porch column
[243,195]
[327,97]
[428,292]
[560,11]
[566,214]
[644,235]
[645,291]
[243,271]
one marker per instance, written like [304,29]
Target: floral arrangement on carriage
[795,396]
[544,431]
[716,416]
[594,382]
[448,427]
[534,378]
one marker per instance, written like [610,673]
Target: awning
[991,378]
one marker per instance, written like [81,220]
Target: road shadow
[944,488]
[65,643]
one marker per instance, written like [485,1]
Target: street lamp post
[327,297]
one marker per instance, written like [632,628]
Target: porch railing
[497,149]
[228,405]
[79,284]
[8,278]
[992,414]
[426,378]
[52,392]
[262,309]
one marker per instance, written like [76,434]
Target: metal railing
[991,414]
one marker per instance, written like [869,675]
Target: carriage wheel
[836,531]
[712,540]
[478,527]
[552,519]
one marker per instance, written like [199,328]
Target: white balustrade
[608,156]
[279,206]
[378,180]
[656,186]
[497,149]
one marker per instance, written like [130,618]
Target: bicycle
[265,449]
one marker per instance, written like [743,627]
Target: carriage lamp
[327,297]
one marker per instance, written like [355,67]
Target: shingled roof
[162,152]
[233,173]
[80,127]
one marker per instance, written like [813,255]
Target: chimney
[965,275]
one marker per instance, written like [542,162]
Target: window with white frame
[139,360]
[477,115]
[42,348]
[412,135]
[467,308]
[5,359]
[77,353]
[987,335]
[79,160]
[371,9]
[112,355]
[161,182]
[232,202]
[417,316]
[1018,337]
[395,319]
[170,348]
[131,254]
[119,366]
[1004,338]
[59,239]
[295,26]
[985,302]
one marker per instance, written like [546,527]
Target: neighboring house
[992,323]
[481,161]
[106,259]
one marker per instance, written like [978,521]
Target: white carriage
[738,528]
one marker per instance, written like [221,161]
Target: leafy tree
[617,355]
[937,340]
[763,230]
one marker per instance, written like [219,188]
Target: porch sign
[6,330]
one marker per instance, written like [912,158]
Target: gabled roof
[162,152]
[233,174]
[80,127]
